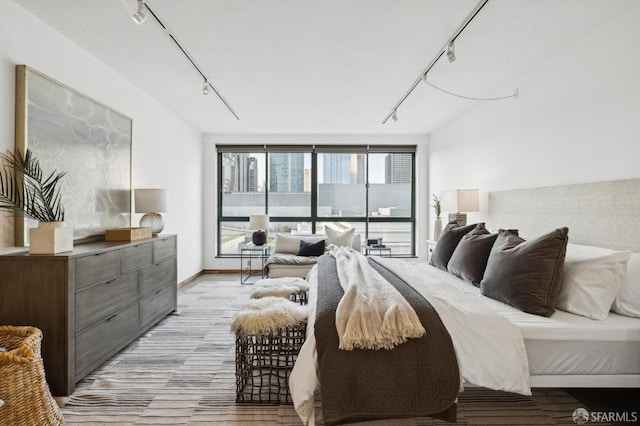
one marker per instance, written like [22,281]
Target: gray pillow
[469,259]
[526,274]
[447,243]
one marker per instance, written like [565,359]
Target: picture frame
[91,142]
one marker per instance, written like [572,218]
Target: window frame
[314,219]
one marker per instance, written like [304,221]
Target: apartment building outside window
[305,188]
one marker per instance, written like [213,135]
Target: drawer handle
[111,280]
[159,290]
[112,317]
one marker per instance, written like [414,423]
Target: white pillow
[590,285]
[343,239]
[628,300]
[577,251]
[286,244]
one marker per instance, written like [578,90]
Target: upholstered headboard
[603,214]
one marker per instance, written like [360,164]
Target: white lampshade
[259,222]
[460,200]
[458,203]
[151,200]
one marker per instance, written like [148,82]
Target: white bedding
[561,350]
[495,344]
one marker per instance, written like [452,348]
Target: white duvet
[489,348]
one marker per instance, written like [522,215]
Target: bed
[562,350]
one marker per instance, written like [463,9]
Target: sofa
[294,255]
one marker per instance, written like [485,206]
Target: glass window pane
[234,236]
[289,184]
[341,184]
[395,235]
[242,186]
[390,184]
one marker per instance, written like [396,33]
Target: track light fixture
[451,51]
[140,16]
[441,52]
[395,116]
[207,86]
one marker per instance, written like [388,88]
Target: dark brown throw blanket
[417,378]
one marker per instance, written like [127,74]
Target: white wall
[166,152]
[577,120]
[210,200]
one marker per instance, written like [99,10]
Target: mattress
[566,344]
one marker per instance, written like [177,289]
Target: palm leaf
[23,190]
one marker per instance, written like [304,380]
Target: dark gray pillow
[526,274]
[447,243]
[469,259]
[311,249]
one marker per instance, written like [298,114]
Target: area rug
[183,372]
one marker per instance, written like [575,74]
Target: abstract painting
[68,131]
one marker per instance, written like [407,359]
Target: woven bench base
[300,297]
[264,363]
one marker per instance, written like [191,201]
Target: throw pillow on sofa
[311,249]
[338,238]
[286,244]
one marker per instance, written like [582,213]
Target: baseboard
[220,271]
[190,279]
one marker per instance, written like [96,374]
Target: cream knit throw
[372,314]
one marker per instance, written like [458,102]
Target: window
[303,188]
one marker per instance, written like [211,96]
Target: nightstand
[431,244]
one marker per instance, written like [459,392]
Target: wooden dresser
[89,303]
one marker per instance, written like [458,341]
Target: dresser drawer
[136,256]
[100,301]
[97,267]
[164,248]
[157,304]
[157,276]
[99,342]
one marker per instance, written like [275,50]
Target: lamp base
[259,238]
[460,218]
[153,221]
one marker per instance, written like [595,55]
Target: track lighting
[140,16]
[448,48]
[451,51]
[394,116]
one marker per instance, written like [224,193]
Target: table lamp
[259,223]
[151,201]
[458,202]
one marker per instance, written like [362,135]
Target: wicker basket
[23,387]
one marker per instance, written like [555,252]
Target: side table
[249,253]
[368,249]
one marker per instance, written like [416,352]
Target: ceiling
[323,67]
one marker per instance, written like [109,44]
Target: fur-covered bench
[294,255]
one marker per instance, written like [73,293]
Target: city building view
[343,191]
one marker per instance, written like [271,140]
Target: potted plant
[25,191]
[437,208]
